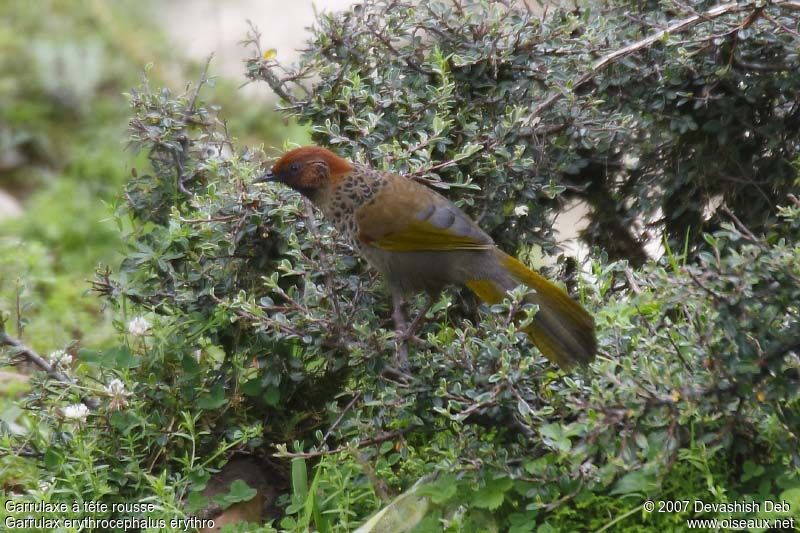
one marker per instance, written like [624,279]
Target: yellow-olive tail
[562,329]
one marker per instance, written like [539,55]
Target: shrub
[504,107]
[248,327]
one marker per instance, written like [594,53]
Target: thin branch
[739,224]
[782,26]
[30,354]
[264,69]
[328,265]
[677,27]
[203,80]
[700,284]
[631,280]
[380,439]
[346,409]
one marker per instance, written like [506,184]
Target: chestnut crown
[307,169]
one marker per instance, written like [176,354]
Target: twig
[631,281]
[179,158]
[782,26]
[362,444]
[347,408]
[739,224]
[265,71]
[677,27]
[18,308]
[220,218]
[203,80]
[31,355]
[702,286]
[328,265]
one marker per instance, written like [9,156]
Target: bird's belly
[428,271]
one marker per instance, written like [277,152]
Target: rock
[9,206]
[249,471]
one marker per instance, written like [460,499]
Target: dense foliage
[247,327]
[506,107]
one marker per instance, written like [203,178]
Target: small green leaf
[214,399]
[554,436]
[299,479]
[93,357]
[52,460]
[635,482]
[492,494]
[119,357]
[252,387]
[196,502]
[272,395]
[240,491]
[440,491]
[199,478]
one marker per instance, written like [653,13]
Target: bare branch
[740,225]
[203,80]
[261,68]
[677,27]
[362,444]
[631,280]
[30,355]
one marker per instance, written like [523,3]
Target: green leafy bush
[506,108]
[247,327]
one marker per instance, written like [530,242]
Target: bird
[421,242]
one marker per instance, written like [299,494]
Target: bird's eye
[294,167]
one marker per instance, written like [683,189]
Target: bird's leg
[397,312]
[400,327]
[405,332]
[411,330]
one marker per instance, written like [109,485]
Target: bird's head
[307,170]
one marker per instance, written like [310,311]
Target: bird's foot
[405,333]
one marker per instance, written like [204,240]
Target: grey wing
[446,216]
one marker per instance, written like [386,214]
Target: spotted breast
[352,191]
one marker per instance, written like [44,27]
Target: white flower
[198,354]
[521,210]
[60,358]
[76,411]
[119,396]
[114,387]
[139,326]
[44,486]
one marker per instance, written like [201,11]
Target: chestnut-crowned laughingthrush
[420,241]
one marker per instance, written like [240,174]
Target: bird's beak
[266,177]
